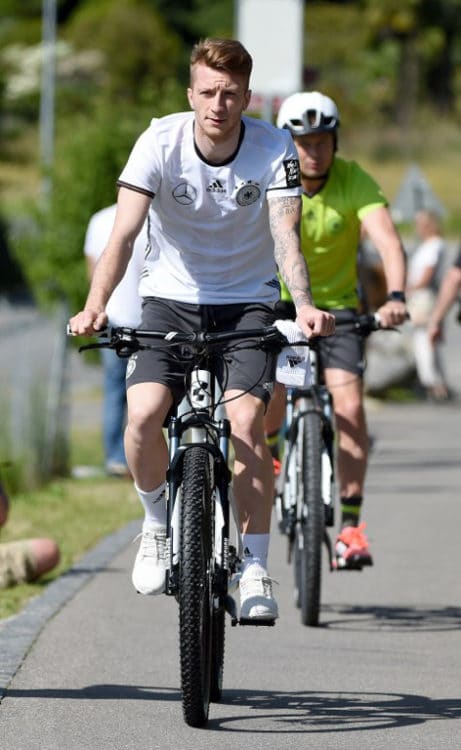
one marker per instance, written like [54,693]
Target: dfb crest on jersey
[247,194]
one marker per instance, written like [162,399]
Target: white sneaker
[256,600]
[149,568]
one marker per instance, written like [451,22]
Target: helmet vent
[308,112]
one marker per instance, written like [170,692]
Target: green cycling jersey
[330,233]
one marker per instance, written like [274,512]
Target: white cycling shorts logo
[131,366]
[293,362]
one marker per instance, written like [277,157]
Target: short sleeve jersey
[330,233]
[209,234]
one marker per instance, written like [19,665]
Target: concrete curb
[18,634]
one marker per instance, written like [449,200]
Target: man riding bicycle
[339,199]
[223,196]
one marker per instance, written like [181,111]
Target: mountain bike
[305,488]
[201,562]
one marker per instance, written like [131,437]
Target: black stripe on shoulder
[135,188]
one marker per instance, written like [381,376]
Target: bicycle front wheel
[217,656]
[195,586]
[311,524]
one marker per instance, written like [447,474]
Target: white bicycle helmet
[308,112]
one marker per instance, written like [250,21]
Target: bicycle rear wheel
[311,525]
[195,586]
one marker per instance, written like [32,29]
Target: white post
[47,91]
[273,33]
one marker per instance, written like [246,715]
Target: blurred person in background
[449,292]
[424,269]
[25,560]
[123,309]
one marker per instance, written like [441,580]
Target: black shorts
[344,351]
[244,370]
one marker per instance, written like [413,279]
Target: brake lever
[95,345]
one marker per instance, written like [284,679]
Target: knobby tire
[310,532]
[195,586]
[218,634]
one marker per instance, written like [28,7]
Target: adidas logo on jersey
[216,187]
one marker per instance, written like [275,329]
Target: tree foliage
[427,34]
[139,52]
[100,113]
[90,156]
[51,246]
[123,61]
[389,57]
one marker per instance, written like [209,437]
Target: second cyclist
[339,200]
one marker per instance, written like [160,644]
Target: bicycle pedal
[256,621]
[357,567]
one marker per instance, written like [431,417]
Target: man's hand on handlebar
[88,322]
[314,322]
[393,313]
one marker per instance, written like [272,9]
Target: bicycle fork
[288,495]
[202,429]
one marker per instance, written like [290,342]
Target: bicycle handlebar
[366,323]
[125,341]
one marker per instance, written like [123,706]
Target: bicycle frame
[203,424]
[300,402]
[305,488]
[199,559]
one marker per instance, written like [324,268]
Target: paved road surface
[382,672]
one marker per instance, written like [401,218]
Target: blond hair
[222,54]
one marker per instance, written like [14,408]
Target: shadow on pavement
[388,617]
[304,712]
[310,712]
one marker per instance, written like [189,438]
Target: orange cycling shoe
[277,466]
[351,549]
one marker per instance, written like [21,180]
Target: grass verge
[77,513]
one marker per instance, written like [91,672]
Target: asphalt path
[90,664]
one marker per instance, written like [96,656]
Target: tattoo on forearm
[284,218]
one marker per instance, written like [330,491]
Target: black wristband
[396,296]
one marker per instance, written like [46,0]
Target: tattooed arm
[284,218]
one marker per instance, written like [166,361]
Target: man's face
[316,152]
[218,99]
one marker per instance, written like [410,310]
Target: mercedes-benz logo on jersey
[184,194]
[247,194]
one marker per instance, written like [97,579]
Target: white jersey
[209,235]
[429,254]
[124,305]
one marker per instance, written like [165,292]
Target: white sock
[154,506]
[255,549]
